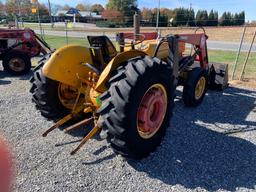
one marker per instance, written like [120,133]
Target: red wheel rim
[17,64]
[151,111]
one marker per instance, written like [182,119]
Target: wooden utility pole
[158,15]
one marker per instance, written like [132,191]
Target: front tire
[195,87]
[122,106]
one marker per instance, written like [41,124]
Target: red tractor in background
[17,47]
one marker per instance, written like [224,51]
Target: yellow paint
[149,47]
[65,65]
[70,25]
[33,10]
[113,64]
[88,110]
[200,87]
[68,96]
[93,96]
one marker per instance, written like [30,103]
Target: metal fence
[224,43]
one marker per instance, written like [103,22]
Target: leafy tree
[179,17]
[216,18]
[43,10]
[25,7]
[213,18]
[235,19]
[10,6]
[191,17]
[222,20]
[66,7]
[226,19]
[98,8]
[182,16]
[168,12]
[229,19]
[163,20]
[201,18]
[2,6]
[126,7]
[241,18]
[146,14]
[112,15]
[114,5]
[81,7]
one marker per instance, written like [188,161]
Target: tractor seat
[103,50]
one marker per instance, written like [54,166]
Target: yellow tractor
[126,93]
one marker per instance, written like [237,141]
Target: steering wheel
[133,41]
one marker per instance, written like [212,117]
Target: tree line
[188,17]
[21,10]
[120,12]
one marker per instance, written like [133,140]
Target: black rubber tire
[121,101]
[16,54]
[188,94]
[45,95]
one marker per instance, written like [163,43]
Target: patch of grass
[57,42]
[229,57]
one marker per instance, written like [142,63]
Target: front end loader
[127,95]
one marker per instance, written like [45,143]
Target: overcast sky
[249,6]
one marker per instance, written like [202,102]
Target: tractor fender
[65,65]
[113,64]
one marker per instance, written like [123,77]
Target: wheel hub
[200,87]
[17,64]
[152,110]
[68,95]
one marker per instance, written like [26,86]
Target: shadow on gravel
[4,74]
[4,82]
[194,156]
[100,160]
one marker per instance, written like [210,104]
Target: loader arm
[199,42]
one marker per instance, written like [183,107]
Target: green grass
[57,42]
[227,57]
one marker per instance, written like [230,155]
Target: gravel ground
[195,155]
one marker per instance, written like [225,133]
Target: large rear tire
[134,131]
[53,99]
[45,96]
